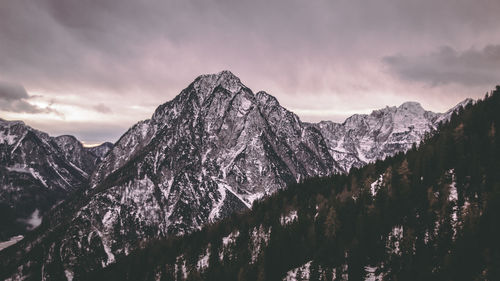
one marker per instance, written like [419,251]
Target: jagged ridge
[36,172]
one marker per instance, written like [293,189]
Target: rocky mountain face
[36,172]
[101,150]
[363,139]
[211,151]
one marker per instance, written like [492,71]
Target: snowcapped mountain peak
[227,76]
[67,138]
[204,85]
[365,138]
[212,150]
[411,105]
[4,122]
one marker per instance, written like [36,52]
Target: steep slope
[429,214]
[36,172]
[74,151]
[362,138]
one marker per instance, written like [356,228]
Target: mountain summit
[365,138]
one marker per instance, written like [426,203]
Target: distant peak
[67,137]
[464,103]
[11,122]
[410,104]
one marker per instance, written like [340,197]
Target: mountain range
[212,151]
[428,214]
[37,171]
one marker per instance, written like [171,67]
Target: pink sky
[94,69]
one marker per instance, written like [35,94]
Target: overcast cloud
[469,68]
[14,98]
[112,62]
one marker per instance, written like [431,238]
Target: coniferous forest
[432,213]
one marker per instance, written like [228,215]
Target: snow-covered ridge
[365,138]
[10,242]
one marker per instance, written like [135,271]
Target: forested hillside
[432,213]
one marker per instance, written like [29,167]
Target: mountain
[428,214]
[36,172]
[214,149]
[100,150]
[363,139]
[210,152]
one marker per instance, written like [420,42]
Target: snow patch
[180,266]
[259,239]
[36,175]
[7,138]
[394,240]
[289,218]
[228,188]
[107,249]
[10,242]
[215,213]
[371,274]
[28,170]
[69,274]
[227,242]
[453,199]
[33,221]
[203,260]
[299,273]
[252,197]
[108,219]
[78,169]
[376,185]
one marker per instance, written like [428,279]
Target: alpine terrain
[431,213]
[210,152]
[36,172]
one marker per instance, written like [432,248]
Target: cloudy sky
[94,68]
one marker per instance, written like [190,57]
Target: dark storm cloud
[470,67]
[11,92]
[123,45]
[14,98]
